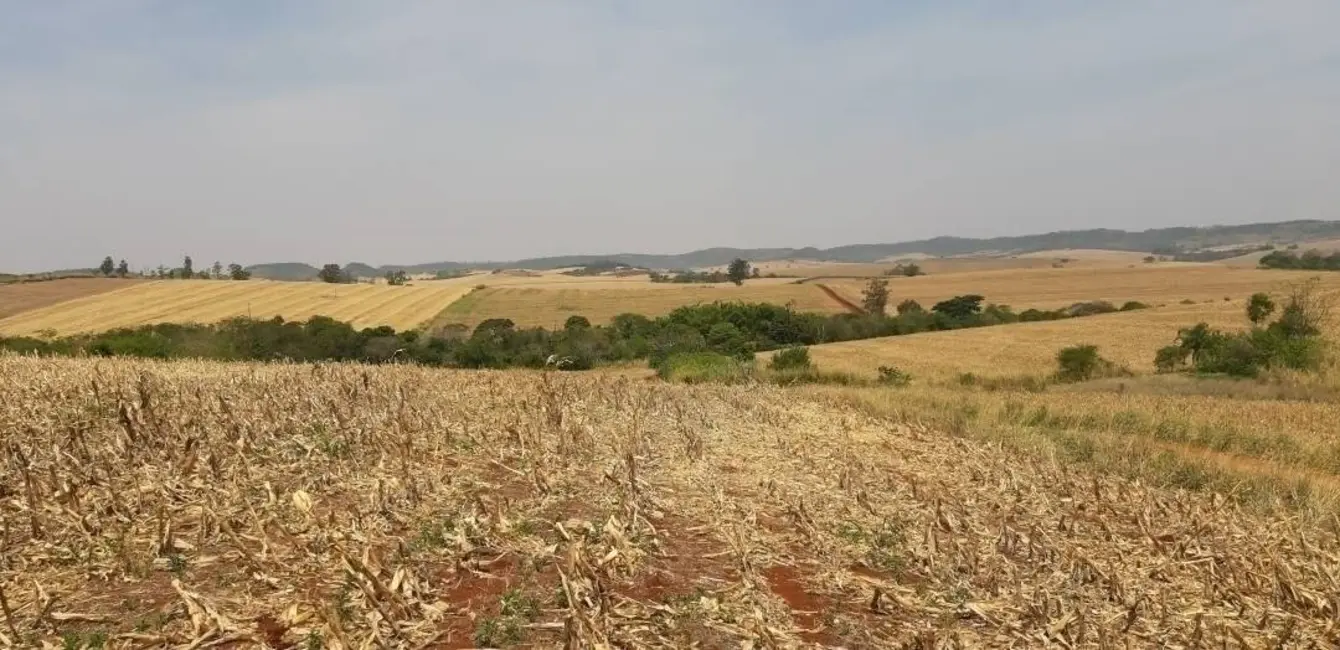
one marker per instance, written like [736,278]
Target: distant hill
[1160,240]
[284,271]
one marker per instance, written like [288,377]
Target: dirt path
[840,299]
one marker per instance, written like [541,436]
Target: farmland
[340,506]
[194,503]
[203,301]
[18,297]
[800,268]
[1050,287]
[1128,338]
[550,305]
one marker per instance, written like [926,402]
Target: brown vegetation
[218,505]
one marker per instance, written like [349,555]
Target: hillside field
[206,301]
[1049,288]
[18,297]
[1127,338]
[550,305]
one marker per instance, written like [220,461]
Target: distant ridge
[1153,240]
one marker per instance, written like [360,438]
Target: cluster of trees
[968,308]
[737,330]
[600,267]
[910,270]
[737,272]
[1292,340]
[1312,260]
[1216,255]
[184,272]
[109,268]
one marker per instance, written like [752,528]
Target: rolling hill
[1165,240]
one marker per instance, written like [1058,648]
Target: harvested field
[946,265]
[198,504]
[19,297]
[1127,338]
[551,306]
[205,301]
[1050,288]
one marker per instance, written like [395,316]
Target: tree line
[186,271]
[1312,260]
[731,328]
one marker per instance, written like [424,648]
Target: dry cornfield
[204,301]
[199,505]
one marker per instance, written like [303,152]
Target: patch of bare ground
[18,297]
[245,505]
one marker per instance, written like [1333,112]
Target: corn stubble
[200,505]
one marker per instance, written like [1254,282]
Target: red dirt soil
[19,297]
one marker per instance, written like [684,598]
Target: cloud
[415,131]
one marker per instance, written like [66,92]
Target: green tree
[910,306]
[187,270]
[236,272]
[912,270]
[1259,308]
[960,308]
[1077,362]
[332,273]
[738,271]
[123,269]
[577,322]
[107,265]
[876,296]
[396,278]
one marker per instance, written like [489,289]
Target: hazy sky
[394,131]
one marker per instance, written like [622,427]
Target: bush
[1170,358]
[791,359]
[1133,305]
[1090,308]
[1078,363]
[891,376]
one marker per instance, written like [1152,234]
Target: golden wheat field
[1051,288]
[266,505]
[550,306]
[1068,258]
[204,301]
[1127,338]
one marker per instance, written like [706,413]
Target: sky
[404,131]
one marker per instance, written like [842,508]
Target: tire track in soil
[840,299]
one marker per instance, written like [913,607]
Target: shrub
[1090,308]
[1133,305]
[910,306]
[1170,358]
[790,359]
[891,376]
[1078,363]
